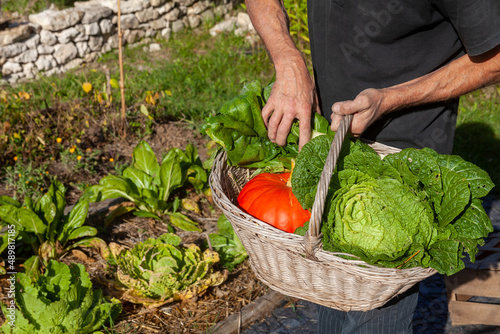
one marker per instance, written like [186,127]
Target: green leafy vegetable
[310,162]
[239,129]
[159,271]
[227,244]
[412,208]
[62,301]
[49,231]
[150,185]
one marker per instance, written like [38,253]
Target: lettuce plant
[61,301]
[227,244]
[159,271]
[44,225]
[411,208]
[150,184]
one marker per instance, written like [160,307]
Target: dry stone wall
[54,41]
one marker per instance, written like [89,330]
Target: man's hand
[293,97]
[366,108]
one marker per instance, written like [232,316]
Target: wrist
[391,100]
[288,59]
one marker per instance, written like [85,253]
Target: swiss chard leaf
[76,219]
[141,179]
[144,159]
[171,175]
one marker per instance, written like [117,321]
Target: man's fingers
[335,121]
[283,130]
[267,112]
[273,125]
[304,131]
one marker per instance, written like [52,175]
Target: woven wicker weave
[297,266]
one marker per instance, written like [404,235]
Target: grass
[477,138]
[190,78]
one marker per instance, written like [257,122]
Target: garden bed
[198,315]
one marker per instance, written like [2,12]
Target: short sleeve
[477,22]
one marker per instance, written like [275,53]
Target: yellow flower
[47,172]
[72,150]
[78,157]
[15,158]
[59,140]
[88,150]
[20,175]
[111,159]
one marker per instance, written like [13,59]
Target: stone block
[53,20]
[65,52]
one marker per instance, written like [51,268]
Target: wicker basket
[297,266]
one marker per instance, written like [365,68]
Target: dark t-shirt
[359,44]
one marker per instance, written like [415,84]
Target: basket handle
[313,237]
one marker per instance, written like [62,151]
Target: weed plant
[26,180]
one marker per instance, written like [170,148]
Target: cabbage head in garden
[61,301]
[160,271]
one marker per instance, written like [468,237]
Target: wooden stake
[120,61]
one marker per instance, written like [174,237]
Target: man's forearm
[459,77]
[271,22]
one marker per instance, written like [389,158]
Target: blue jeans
[395,317]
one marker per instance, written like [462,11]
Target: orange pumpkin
[269,197]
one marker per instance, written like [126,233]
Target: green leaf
[9,200]
[474,223]
[227,244]
[446,257]
[146,214]
[32,267]
[144,159]
[5,235]
[60,301]
[83,231]
[184,223]
[113,186]
[31,222]
[171,175]
[76,219]
[480,181]
[10,214]
[456,196]
[140,178]
[239,128]
[423,164]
